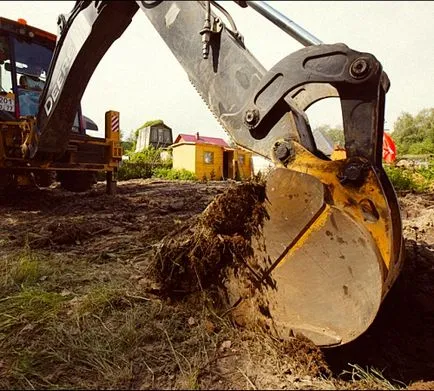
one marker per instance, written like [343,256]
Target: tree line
[412,134]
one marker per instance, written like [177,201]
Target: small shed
[210,157]
[156,134]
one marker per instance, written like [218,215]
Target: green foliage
[427,173]
[422,147]
[335,134]
[174,174]
[415,134]
[418,180]
[152,123]
[142,164]
[149,155]
[401,178]
[146,124]
[127,146]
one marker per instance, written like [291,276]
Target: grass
[174,174]
[21,269]
[64,326]
[371,378]
[100,299]
[107,335]
[417,180]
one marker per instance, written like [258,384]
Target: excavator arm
[86,34]
[332,244]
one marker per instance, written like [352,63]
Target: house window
[167,137]
[208,157]
[241,159]
[154,135]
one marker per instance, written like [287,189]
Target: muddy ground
[79,307]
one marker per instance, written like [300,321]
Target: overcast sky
[141,78]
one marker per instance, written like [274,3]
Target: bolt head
[359,68]
[283,151]
[353,172]
[251,117]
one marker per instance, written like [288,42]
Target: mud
[122,235]
[400,342]
[200,253]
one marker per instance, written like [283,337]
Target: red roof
[191,138]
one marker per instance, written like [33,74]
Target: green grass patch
[418,180]
[101,299]
[28,308]
[24,268]
[142,164]
[139,170]
[27,269]
[174,174]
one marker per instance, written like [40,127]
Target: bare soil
[120,308]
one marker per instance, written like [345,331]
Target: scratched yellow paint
[348,199]
[317,224]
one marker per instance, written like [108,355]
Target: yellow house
[210,157]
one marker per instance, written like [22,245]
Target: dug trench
[140,303]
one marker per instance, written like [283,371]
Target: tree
[415,134]
[335,134]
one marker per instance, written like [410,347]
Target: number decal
[7,104]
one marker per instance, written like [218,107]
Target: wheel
[76,181]
[44,178]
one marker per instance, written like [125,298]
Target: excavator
[25,56]
[332,242]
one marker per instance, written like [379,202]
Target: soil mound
[198,254]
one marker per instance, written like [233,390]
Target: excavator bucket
[331,246]
[328,252]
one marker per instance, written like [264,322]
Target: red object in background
[389,149]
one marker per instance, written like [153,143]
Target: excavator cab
[26,54]
[25,57]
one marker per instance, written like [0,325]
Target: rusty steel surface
[328,254]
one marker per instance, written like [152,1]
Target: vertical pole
[111,183]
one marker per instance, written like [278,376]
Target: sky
[140,77]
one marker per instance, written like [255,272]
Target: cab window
[5,66]
[32,61]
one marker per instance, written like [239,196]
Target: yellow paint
[183,155]
[21,133]
[316,225]
[191,156]
[207,169]
[244,161]
[109,133]
[348,199]
[338,154]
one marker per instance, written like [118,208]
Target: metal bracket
[212,25]
[358,78]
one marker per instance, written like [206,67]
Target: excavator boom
[332,244]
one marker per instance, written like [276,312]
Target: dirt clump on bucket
[199,254]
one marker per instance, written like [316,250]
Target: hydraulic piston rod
[290,27]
